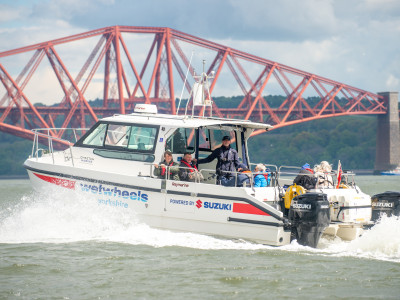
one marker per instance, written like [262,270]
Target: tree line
[352,139]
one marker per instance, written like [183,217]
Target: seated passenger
[244,177]
[305,178]
[323,174]
[261,179]
[168,162]
[188,170]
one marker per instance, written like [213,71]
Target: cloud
[350,41]
[8,13]
[392,82]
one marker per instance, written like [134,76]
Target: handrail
[213,174]
[333,174]
[50,148]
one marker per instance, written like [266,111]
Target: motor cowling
[309,215]
[385,203]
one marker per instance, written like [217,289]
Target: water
[57,248]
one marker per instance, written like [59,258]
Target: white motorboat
[113,163]
[394,172]
[115,160]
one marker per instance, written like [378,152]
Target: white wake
[56,217]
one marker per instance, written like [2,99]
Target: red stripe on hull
[69,184]
[244,208]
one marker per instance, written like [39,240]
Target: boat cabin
[145,135]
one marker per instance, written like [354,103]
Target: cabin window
[136,138]
[96,137]
[131,137]
[181,141]
[124,155]
[117,135]
[216,136]
[142,138]
[204,139]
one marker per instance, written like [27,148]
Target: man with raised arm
[228,162]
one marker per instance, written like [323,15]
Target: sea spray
[58,217]
[381,242]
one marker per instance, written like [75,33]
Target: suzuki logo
[199,203]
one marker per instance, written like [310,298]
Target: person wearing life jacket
[160,169]
[188,170]
[244,177]
[306,177]
[261,178]
[323,173]
[228,162]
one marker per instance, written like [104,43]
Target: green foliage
[13,152]
[348,139]
[351,139]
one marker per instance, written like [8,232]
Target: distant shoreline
[363,172]
[5,177]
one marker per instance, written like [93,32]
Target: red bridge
[120,71]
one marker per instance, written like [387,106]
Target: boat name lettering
[301,206]
[115,203]
[382,204]
[180,184]
[181,202]
[215,205]
[116,192]
[87,159]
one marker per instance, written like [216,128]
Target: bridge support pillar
[388,135]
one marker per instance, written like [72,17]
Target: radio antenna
[184,83]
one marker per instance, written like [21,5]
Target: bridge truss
[121,70]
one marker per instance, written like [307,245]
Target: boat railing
[210,176]
[280,176]
[271,170]
[46,135]
[287,174]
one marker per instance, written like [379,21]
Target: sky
[356,42]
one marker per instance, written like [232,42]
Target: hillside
[13,152]
[350,139]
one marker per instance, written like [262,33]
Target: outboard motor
[385,203]
[309,215]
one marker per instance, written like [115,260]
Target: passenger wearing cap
[168,163]
[228,162]
[306,177]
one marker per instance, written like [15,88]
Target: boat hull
[166,204]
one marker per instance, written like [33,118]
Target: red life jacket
[263,174]
[163,168]
[310,170]
[191,168]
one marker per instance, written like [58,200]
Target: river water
[52,247]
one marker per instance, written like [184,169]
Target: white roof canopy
[184,121]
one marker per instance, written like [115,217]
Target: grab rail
[207,174]
[50,139]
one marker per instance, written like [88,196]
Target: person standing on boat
[188,170]
[228,162]
[306,177]
[168,163]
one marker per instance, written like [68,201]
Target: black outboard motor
[385,203]
[309,215]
